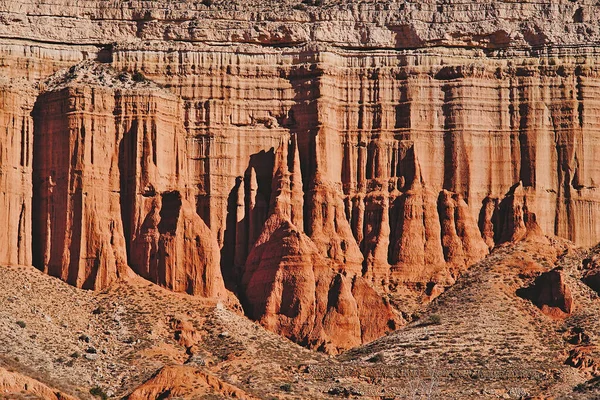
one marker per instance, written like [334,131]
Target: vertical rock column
[77,229]
[169,244]
[16,151]
[110,187]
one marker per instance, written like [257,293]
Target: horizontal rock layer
[346,23]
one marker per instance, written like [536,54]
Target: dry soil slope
[480,340]
[73,340]
[150,342]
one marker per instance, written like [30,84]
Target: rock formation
[591,273]
[316,157]
[509,219]
[16,161]
[185,381]
[315,296]
[110,187]
[580,358]
[550,293]
[15,385]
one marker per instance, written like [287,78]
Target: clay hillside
[299,199]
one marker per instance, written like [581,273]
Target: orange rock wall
[16,162]
[110,191]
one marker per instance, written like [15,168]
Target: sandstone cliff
[16,163]
[310,289]
[313,159]
[110,188]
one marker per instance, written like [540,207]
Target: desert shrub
[286,387]
[377,358]
[138,76]
[313,2]
[98,310]
[22,324]
[97,391]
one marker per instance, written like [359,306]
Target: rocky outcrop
[435,237]
[174,248]
[581,358]
[15,385]
[591,272]
[550,293]
[350,23]
[109,187]
[185,381]
[302,291]
[16,161]
[509,219]
[78,234]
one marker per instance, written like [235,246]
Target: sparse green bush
[579,388]
[22,324]
[286,387]
[97,391]
[313,2]
[435,319]
[377,358]
[138,76]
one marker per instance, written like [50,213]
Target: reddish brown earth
[13,384]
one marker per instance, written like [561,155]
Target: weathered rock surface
[15,385]
[188,382]
[417,137]
[580,358]
[346,23]
[109,187]
[16,154]
[315,296]
[551,294]
[591,273]
[509,219]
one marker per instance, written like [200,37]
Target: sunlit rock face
[311,159]
[110,186]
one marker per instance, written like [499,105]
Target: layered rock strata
[110,187]
[315,296]
[16,165]
[551,294]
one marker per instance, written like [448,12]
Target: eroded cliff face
[313,160]
[110,187]
[16,158]
[309,286]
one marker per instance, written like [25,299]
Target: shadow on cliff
[238,237]
[301,120]
[57,200]
[126,165]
